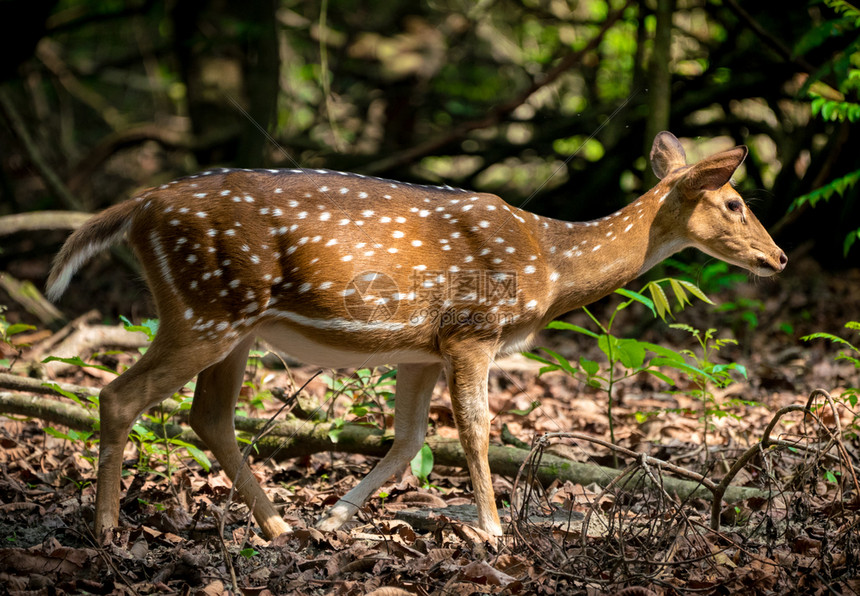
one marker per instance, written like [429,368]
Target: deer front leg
[212,419]
[415,383]
[467,369]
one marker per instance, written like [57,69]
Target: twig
[586,522]
[835,437]
[42,220]
[29,297]
[766,442]
[707,483]
[30,385]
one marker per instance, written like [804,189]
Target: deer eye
[734,205]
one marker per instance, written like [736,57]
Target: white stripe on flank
[162,260]
[337,323]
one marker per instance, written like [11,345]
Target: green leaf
[608,345]
[683,366]
[571,327]
[562,362]
[695,291]
[66,394]
[590,367]
[197,455]
[422,463]
[830,337]
[631,353]
[850,239]
[148,327]
[248,552]
[724,368]
[143,432]
[389,374]
[72,435]
[18,328]
[336,429]
[538,358]
[663,351]
[660,301]
[532,407]
[825,192]
[660,376]
[680,294]
[638,298]
[76,361]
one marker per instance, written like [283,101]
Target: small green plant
[850,353]
[159,447]
[148,327]
[422,465]
[249,552]
[705,373]
[7,333]
[259,396]
[156,506]
[626,357]
[154,448]
[367,392]
[71,435]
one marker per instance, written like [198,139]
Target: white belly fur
[304,349]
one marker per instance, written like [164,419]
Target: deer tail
[98,233]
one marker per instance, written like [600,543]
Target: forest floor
[801,537]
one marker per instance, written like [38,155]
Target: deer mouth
[767,265]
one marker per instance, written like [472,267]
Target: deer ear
[667,154]
[716,171]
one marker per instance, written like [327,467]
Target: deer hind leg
[467,371]
[169,363]
[415,383]
[212,419]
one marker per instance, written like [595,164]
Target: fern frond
[834,111]
[845,9]
[839,186]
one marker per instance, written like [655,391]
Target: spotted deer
[344,270]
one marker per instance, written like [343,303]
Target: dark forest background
[553,103]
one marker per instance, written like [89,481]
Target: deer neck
[596,257]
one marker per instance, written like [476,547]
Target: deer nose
[783,260]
